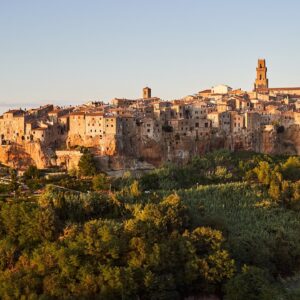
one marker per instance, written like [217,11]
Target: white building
[221,89]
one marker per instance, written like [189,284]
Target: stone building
[215,119]
[261,82]
[237,122]
[252,120]
[221,89]
[150,129]
[146,93]
[12,125]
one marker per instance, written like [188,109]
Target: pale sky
[72,51]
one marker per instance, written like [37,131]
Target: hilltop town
[149,131]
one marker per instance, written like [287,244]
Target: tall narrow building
[146,93]
[261,82]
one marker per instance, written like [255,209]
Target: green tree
[291,168]
[14,184]
[32,172]
[252,284]
[87,164]
[26,224]
[275,190]
[263,172]
[150,181]
[101,182]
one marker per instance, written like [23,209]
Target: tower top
[261,82]
[261,62]
[146,93]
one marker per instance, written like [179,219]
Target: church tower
[261,81]
[146,93]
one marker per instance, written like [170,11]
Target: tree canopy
[223,224]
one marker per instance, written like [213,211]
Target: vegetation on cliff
[224,224]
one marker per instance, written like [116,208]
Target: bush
[32,172]
[291,168]
[252,284]
[101,182]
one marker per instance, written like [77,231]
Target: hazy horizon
[73,51]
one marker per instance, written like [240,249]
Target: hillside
[222,226]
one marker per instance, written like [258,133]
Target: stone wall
[68,159]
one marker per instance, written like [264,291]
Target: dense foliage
[86,164]
[224,224]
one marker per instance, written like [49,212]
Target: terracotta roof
[15,111]
[77,113]
[95,114]
[55,111]
[126,116]
[40,128]
[205,91]
[285,89]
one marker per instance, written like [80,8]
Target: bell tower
[146,93]
[261,81]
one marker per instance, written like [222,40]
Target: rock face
[15,156]
[134,153]
[20,156]
[289,141]
[107,146]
